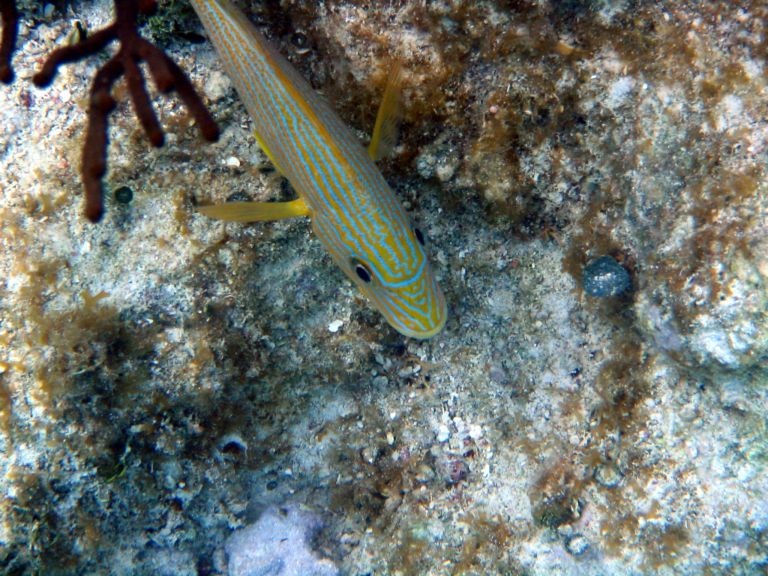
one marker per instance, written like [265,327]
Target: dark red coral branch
[134,49]
[10,18]
[90,45]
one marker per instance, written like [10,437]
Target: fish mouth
[416,309]
[434,330]
[425,335]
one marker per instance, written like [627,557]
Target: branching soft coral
[134,49]
[10,19]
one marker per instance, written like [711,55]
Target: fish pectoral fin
[385,132]
[255,211]
[268,152]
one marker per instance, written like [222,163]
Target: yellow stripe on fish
[354,212]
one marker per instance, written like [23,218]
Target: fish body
[354,212]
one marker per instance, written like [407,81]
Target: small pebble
[457,471]
[576,544]
[369,454]
[380,381]
[232,444]
[424,473]
[217,86]
[300,42]
[604,277]
[445,172]
[335,325]
[425,165]
[608,475]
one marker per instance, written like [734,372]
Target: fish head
[415,308]
[391,268]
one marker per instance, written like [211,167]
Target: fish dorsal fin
[384,138]
[255,211]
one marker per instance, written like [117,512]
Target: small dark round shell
[604,277]
[123,195]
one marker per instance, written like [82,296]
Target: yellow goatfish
[354,212]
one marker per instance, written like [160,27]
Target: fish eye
[362,271]
[419,236]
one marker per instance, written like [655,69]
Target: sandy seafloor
[168,381]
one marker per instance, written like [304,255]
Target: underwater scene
[383,288]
